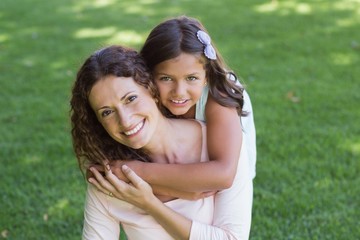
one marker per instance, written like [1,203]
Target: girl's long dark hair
[178,35]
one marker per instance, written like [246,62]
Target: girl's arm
[162,192]
[166,194]
[224,138]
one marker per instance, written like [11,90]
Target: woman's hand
[136,192]
[116,168]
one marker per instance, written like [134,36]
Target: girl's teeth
[179,101]
[135,129]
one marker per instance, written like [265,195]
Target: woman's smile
[135,130]
[126,110]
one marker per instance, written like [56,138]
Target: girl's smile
[180,82]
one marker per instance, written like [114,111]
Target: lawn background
[299,60]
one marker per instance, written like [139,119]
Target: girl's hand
[136,192]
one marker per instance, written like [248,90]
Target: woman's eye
[106,113]
[130,99]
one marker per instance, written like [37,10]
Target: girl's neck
[190,114]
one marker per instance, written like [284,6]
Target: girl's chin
[179,112]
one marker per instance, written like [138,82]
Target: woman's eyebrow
[125,95]
[121,99]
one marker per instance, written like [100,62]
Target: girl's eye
[106,113]
[192,78]
[130,99]
[165,79]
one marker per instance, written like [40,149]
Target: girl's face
[180,82]
[125,109]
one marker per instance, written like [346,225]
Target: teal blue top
[247,122]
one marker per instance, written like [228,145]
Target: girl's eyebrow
[161,73]
[194,73]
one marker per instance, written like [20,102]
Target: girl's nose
[180,89]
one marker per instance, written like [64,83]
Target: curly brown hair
[91,143]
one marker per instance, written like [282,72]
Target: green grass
[299,59]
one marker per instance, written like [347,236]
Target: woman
[115,116]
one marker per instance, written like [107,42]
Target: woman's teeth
[135,129]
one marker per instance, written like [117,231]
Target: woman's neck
[176,141]
[162,144]
[172,138]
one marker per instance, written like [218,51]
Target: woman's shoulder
[190,123]
[190,127]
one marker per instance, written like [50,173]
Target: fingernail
[124,167]
[108,167]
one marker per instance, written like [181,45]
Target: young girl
[114,115]
[193,83]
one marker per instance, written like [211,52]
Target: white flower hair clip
[209,50]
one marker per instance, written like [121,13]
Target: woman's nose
[124,117]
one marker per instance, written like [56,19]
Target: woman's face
[180,82]
[125,109]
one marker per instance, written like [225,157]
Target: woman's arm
[98,224]
[139,193]
[224,138]
[232,216]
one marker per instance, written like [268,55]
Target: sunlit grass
[299,60]
[103,3]
[113,36]
[285,7]
[4,37]
[91,32]
[343,58]
[308,7]
[32,159]
[59,206]
[352,146]
[127,38]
